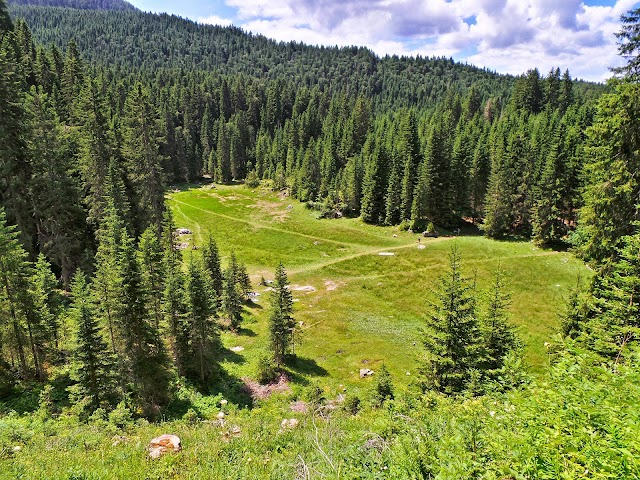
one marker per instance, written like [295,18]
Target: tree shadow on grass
[305,366]
[229,387]
[246,332]
[231,356]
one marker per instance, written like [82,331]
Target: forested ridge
[79,4]
[93,133]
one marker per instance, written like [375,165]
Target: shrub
[252,180]
[383,388]
[266,371]
[314,395]
[120,416]
[352,404]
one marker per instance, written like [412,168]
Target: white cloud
[509,36]
[215,20]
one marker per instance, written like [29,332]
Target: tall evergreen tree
[281,321]
[199,323]
[453,338]
[145,362]
[498,335]
[93,367]
[173,298]
[150,257]
[374,188]
[211,257]
[612,187]
[141,151]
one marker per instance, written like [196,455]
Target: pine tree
[59,224]
[199,323]
[15,166]
[107,280]
[612,187]
[19,301]
[374,188]
[281,321]
[6,25]
[452,339]
[93,367]
[211,257]
[145,362]
[411,158]
[96,147]
[150,258]
[141,152]
[498,336]
[548,216]
[629,45]
[613,322]
[231,298]
[173,297]
[47,301]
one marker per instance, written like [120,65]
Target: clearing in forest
[361,291]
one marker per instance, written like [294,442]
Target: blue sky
[508,36]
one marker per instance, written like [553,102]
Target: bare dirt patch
[302,288]
[331,285]
[299,407]
[260,392]
[223,198]
[272,209]
[237,349]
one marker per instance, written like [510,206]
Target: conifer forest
[310,261]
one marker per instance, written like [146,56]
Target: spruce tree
[498,335]
[173,297]
[612,187]
[141,152]
[199,323]
[281,321]
[145,363]
[16,299]
[93,367]
[107,279]
[231,298]
[150,256]
[211,257]
[60,225]
[374,188]
[452,338]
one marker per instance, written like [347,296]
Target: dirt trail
[362,253]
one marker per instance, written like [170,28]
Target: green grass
[366,309]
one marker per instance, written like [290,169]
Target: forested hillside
[103,318]
[79,4]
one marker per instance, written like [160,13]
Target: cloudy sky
[509,36]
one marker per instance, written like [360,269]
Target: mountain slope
[78,4]
[134,40]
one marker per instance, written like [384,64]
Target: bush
[191,416]
[121,416]
[352,404]
[383,388]
[252,180]
[314,395]
[266,371]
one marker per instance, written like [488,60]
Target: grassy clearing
[357,307]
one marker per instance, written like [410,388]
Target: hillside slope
[78,4]
[134,40]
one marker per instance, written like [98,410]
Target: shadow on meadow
[299,368]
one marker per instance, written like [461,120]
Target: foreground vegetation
[574,421]
[130,306]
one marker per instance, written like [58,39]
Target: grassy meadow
[359,308]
